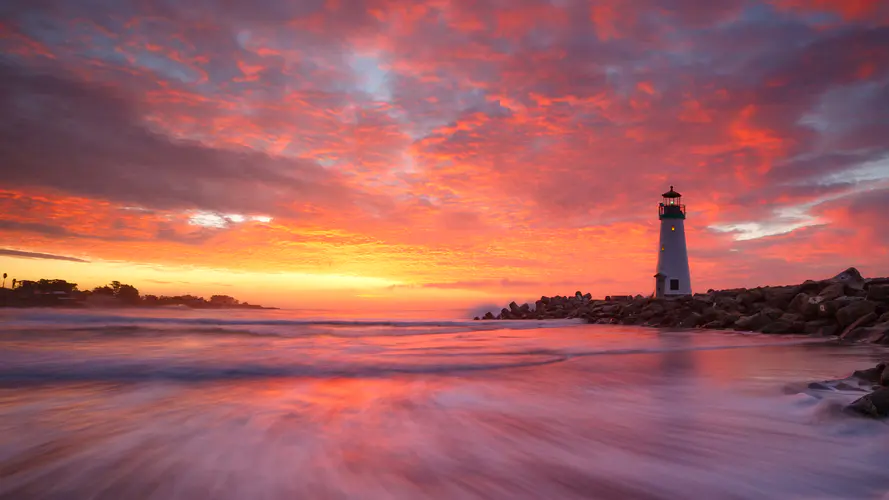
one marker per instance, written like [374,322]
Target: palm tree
[13,283]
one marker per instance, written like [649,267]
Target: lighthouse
[672,278]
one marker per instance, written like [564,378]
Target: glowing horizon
[388,154]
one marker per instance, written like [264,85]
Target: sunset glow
[374,154]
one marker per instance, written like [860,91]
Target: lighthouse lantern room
[673,277]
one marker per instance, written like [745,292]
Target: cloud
[34,255]
[450,143]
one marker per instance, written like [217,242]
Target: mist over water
[261,404]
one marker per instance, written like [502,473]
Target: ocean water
[267,405]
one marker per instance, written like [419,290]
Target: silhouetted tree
[4,280]
[127,293]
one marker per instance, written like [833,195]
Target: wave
[108,323]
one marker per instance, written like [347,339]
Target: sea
[198,404]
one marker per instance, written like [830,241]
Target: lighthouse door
[660,282]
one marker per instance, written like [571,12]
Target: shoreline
[846,306]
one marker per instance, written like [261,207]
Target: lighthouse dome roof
[671,194]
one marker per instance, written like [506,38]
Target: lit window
[672,228]
[662,249]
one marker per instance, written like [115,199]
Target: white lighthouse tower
[673,277]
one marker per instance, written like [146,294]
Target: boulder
[833,291]
[504,313]
[778,327]
[878,292]
[488,315]
[811,287]
[877,334]
[772,312]
[871,374]
[884,377]
[823,327]
[790,317]
[690,321]
[779,297]
[726,303]
[851,278]
[883,318]
[860,322]
[874,405]
[850,313]
[753,322]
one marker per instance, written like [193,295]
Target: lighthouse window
[674,284]
[662,249]
[672,228]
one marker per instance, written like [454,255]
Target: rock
[779,297]
[504,313]
[828,309]
[878,292]
[811,287]
[488,315]
[874,405]
[772,313]
[871,374]
[851,278]
[884,377]
[822,327]
[726,304]
[855,310]
[860,322]
[877,334]
[753,323]
[690,321]
[805,304]
[884,318]
[833,291]
[475,318]
[513,308]
[790,317]
[778,327]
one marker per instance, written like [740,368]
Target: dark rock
[824,327]
[877,334]
[753,323]
[778,327]
[726,303]
[513,308]
[871,374]
[475,318]
[851,313]
[790,317]
[779,297]
[811,287]
[878,292]
[828,309]
[504,313]
[833,291]
[818,386]
[874,405]
[883,318]
[772,312]
[488,315]
[690,321]
[884,377]
[851,278]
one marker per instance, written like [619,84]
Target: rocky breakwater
[847,305]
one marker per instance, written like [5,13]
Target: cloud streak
[35,255]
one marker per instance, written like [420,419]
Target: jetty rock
[847,305]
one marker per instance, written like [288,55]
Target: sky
[381,154]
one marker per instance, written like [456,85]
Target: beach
[179,404]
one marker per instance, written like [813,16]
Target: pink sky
[361,154]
